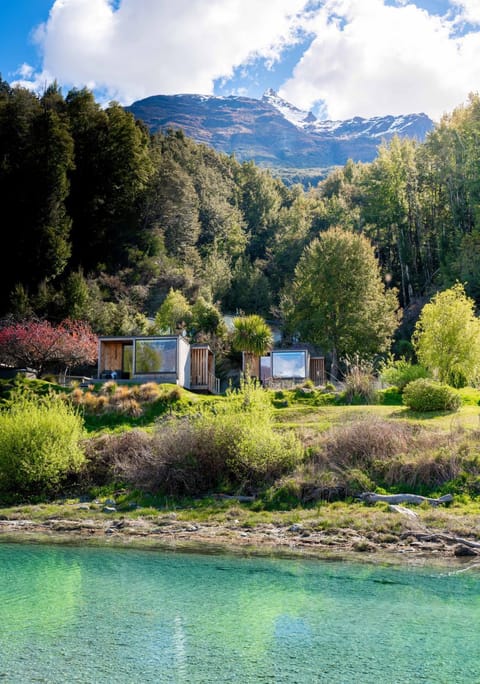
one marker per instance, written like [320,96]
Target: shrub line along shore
[253,472]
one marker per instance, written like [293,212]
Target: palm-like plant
[252,335]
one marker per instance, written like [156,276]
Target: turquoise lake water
[123,616]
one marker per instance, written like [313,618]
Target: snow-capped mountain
[298,117]
[273,132]
[382,127]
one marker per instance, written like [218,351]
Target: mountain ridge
[272,132]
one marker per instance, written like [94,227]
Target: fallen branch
[370,497]
[403,511]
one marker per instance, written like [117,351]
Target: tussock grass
[234,447]
[372,453]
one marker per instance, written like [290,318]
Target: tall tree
[174,314]
[36,156]
[338,300]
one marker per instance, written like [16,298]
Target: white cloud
[135,48]
[371,59]
[469,10]
[366,58]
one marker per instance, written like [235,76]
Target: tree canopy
[338,300]
[40,345]
[105,219]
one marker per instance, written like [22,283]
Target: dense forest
[106,219]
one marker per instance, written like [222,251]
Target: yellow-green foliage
[447,337]
[233,444]
[399,372]
[470,396]
[39,443]
[243,429]
[425,395]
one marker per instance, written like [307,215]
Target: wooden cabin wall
[317,370]
[199,366]
[111,356]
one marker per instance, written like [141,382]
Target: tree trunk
[334,366]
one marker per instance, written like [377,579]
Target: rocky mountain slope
[273,132]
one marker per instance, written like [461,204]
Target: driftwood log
[370,497]
[439,537]
[240,498]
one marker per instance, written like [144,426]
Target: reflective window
[265,367]
[288,364]
[156,356]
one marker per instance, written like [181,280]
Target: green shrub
[39,444]
[425,395]
[283,496]
[390,396]
[356,481]
[234,445]
[400,372]
[470,396]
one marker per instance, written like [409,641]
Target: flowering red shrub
[41,344]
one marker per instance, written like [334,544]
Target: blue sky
[340,58]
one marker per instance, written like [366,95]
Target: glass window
[265,367]
[288,364]
[156,356]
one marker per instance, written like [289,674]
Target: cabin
[165,358]
[285,366]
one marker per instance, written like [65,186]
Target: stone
[296,527]
[462,551]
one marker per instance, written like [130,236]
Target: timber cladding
[317,370]
[199,366]
[111,358]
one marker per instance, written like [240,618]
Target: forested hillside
[105,218]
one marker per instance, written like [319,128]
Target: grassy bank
[167,457]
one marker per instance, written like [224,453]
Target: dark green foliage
[426,395]
[338,300]
[106,219]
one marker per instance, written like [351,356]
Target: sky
[338,58]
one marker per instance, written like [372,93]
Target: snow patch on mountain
[298,117]
[376,127]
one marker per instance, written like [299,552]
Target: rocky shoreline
[264,539]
